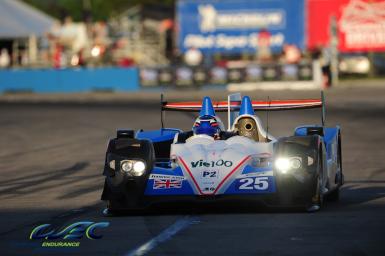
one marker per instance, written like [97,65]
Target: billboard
[360,24]
[234,26]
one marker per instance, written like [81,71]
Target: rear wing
[223,106]
[234,103]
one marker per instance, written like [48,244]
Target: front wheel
[318,198]
[335,194]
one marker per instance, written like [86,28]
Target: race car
[210,163]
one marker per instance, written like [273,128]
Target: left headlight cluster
[284,165]
[133,167]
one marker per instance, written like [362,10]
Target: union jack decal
[167,183]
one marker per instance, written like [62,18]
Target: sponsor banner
[239,25]
[218,75]
[166,76]
[289,72]
[236,75]
[253,73]
[305,72]
[271,73]
[200,76]
[360,24]
[164,176]
[184,76]
[149,77]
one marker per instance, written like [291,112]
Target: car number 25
[258,183]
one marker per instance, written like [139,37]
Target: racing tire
[334,195]
[318,197]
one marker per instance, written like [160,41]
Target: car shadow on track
[350,196]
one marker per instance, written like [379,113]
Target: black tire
[318,198]
[335,194]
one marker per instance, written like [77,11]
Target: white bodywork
[261,130]
[210,164]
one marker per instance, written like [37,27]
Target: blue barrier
[69,80]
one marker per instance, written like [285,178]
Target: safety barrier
[248,77]
[69,80]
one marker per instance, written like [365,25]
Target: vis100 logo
[73,231]
[218,163]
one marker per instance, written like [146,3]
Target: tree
[79,10]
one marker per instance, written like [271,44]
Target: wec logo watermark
[74,231]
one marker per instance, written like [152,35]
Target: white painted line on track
[164,236]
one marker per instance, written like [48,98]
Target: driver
[207,125]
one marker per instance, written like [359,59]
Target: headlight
[133,167]
[282,164]
[285,164]
[112,164]
[295,163]
[126,165]
[139,168]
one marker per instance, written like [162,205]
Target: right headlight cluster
[133,167]
[286,164]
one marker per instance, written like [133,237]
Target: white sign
[229,42]
[212,19]
[363,24]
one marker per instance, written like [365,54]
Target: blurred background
[79,45]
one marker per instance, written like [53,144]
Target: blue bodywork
[160,135]
[234,188]
[330,138]
[246,106]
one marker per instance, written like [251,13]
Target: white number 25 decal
[260,183]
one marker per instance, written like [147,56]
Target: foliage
[96,9]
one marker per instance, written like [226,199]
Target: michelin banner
[236,26]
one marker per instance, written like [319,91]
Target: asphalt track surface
[51,159]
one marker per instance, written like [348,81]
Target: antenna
[267,120]
[323,115]
[161,110]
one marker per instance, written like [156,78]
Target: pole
[333,44]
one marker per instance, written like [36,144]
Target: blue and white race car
[210,163]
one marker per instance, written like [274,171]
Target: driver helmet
[206,125]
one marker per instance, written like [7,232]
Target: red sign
[361,24]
